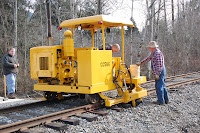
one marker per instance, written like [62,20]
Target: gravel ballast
[181,115]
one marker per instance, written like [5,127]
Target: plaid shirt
[157,61]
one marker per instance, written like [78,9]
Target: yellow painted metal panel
[122,32]
[128,97]
[49,52]
[61,88]
[68,45]
[84,67]
[135,95]
[136,81]
[85,48]
[87,22]
[74,89]
[94,67]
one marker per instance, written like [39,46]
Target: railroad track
[173,77]
[23,126]
[34,105]
[173,85]
[63,116]
[21,107]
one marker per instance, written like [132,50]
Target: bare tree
[152,6]
[15,41]
[172,4]
[99,9]
[15,22]
[41,22]
[157,22]
[72,8]
[173,21]
[143,33]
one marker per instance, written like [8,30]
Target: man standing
[158,66]
[10,69]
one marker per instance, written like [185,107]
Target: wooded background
[23,25]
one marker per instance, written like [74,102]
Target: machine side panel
[101,67]
[94,67]
[43,61]
[84,68]
[33,60]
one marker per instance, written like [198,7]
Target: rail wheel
[133,103]
[92,98]
[136,102]
[50,96]
[82,96]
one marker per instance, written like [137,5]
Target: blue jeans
[161,89]
[10,81]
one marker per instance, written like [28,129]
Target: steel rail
[23,125]
[149,91]
[20,107]
[171,77]
[29,105]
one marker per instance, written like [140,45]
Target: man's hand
[15,65]
[139,64]
[157,77]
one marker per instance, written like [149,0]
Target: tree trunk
[152,19]
[173,30]
[15,41]
[152,33]
[157,23]
[41,23]
[4,25]
[72,9]
[131,53]
[58,17]
[99,9]
[25,43]
[165,12]
[172,13]
[15,22]
[178,9]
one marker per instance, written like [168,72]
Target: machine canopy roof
[95,22]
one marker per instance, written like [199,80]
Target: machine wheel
[133,103]
[82,96]
[92,98]
[136,102]
[50,96]
[129,87]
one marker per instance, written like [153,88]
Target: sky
[122,8]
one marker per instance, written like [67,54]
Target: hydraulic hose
[131,87]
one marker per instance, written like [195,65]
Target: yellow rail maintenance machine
[63,69]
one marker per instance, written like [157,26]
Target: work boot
[166,102]
[156,102]
[12,96]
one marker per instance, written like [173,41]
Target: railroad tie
[56,126]
[30,131]
[87,117]
[70,121]
[118,109]
[101,113]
